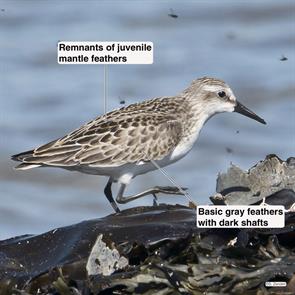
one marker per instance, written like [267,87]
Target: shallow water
[239,42]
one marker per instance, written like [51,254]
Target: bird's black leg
[109,195]
[171,190]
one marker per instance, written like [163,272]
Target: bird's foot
[169,190]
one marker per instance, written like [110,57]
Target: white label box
[275,284]
[111,52]
[241,216]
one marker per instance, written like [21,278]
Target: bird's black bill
[239,108]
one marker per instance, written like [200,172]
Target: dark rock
[159,249]
[23,258]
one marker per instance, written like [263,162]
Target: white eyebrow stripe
[213,88]
[217,88]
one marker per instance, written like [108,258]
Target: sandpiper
[128,141]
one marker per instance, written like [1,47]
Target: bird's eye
[221,94]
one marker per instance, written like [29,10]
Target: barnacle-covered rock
[266,178]
[104,260]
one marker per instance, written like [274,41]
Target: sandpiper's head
[215,96]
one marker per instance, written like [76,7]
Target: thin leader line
[186,194]
[105,94]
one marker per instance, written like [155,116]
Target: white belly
[182,149]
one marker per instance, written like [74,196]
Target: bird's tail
[21,157]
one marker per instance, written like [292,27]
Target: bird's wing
[142,137]
[107,142]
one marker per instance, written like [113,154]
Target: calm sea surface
[238,41]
